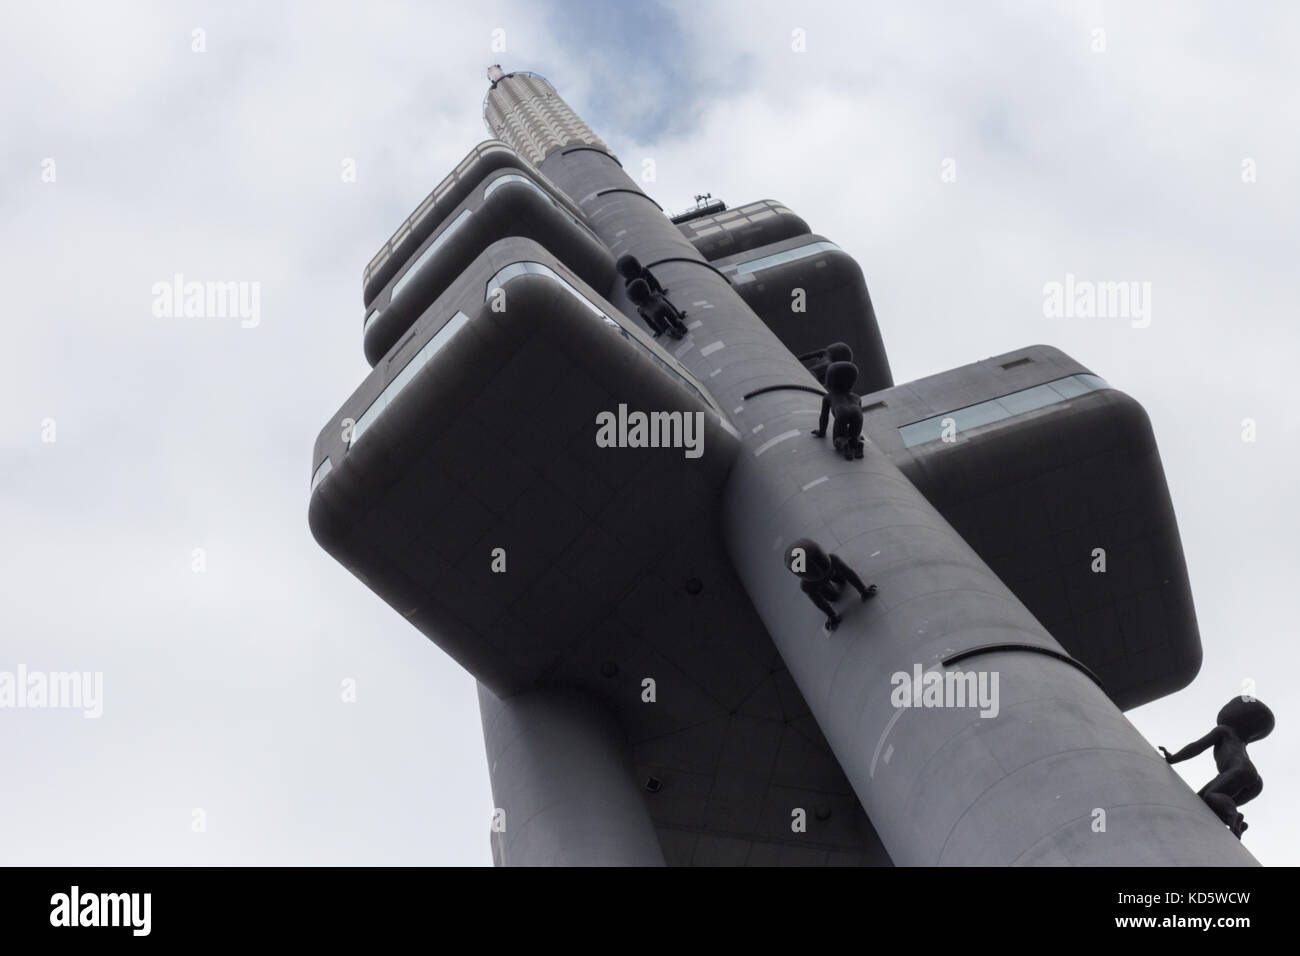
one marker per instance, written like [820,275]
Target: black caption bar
[133,906]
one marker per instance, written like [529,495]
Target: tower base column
[563,784]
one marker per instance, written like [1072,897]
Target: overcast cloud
[222,689]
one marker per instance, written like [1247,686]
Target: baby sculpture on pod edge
[1242,720]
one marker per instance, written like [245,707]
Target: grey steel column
[561,775]
[941,786]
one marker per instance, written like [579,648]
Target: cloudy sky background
[222,689]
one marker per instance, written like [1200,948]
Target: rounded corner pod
[322,519]
[1129,414]
[840,260]
[1191,664]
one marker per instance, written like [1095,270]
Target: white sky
[222,690]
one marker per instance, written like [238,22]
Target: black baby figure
[847,406]
[657,311]
[819,361]
[629,267]
[1243,720]
[823,577]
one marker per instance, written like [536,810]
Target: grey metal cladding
[458,464]
[476,437]
[1034,493]
[513,210]
[755,224]
[432,210]
[832,298]
[466,293]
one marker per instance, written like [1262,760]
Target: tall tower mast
[743,682]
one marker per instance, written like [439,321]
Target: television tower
[655,684]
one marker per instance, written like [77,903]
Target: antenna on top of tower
[705,205]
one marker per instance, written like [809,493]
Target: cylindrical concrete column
[1058,775]
[563,784]
[1046,770]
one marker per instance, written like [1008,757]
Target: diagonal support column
[1058,776]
